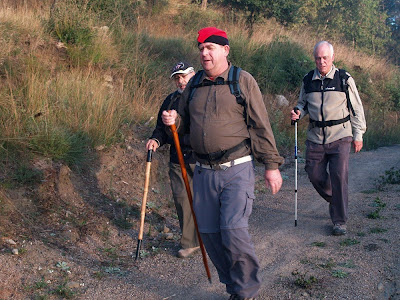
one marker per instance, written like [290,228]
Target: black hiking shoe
[339,229]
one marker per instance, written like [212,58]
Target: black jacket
[160,132]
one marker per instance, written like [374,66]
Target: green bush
[394,93]
[280,66]
[27,176]
[379,133]
[117,11]
[61,144]
[70,22]
[241,52]
[192,18]
[167,51]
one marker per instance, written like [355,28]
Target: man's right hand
[169,117]
[151,145]
[295,115]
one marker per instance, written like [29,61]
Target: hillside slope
[76,234]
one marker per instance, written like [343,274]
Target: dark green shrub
[280,66]
[167,51]
[117,11]
[70,22]
[61,144]
[193,19]
[27,176]
[394,91]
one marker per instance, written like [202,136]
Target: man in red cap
[226,134]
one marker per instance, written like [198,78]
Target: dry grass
[47,88]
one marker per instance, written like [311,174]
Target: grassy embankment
[69,84]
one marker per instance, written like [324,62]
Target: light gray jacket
[332,105]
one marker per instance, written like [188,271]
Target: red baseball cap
[212,35]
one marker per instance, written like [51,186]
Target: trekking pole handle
[295,110]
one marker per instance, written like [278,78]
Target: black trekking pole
[294,122]
[143,210]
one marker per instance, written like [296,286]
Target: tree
[360,22]
[282,10]
[204,4]
[392,7]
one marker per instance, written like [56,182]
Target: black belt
[218,156]
[322,124]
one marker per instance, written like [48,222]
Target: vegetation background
[74,72]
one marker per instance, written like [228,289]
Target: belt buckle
[222,167]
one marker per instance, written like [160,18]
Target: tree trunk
[204,4]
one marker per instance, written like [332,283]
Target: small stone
[10,242]
[60,45]
[166,229]
[305,294]
[380,286]
[72,285]
[108,78]
[14,251]
[169,236]
[281,100]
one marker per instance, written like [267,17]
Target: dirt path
[287,253]
[94,260]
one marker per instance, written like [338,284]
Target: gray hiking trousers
[223,201]
[182,205]
[332,185]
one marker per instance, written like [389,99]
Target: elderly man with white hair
[329,96]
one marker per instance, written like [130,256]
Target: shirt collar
[330,74]
[223,76]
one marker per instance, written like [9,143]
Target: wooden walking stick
[189,193]
[143,210]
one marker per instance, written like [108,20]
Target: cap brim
[187,71]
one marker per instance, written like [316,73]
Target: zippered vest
[339,84]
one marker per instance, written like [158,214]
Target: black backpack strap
[195,84]
[322,124]
[233,81]
[345,87]
[307,81]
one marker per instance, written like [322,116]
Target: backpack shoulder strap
[195,83]
[307,80]
[345,87]
[234,86]
[233,80]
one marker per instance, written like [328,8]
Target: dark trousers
[223,201]
[332,185]
[189,236]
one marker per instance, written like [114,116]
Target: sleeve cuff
[357,136]
[158,142]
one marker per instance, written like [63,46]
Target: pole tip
[295,223]
[209,280]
